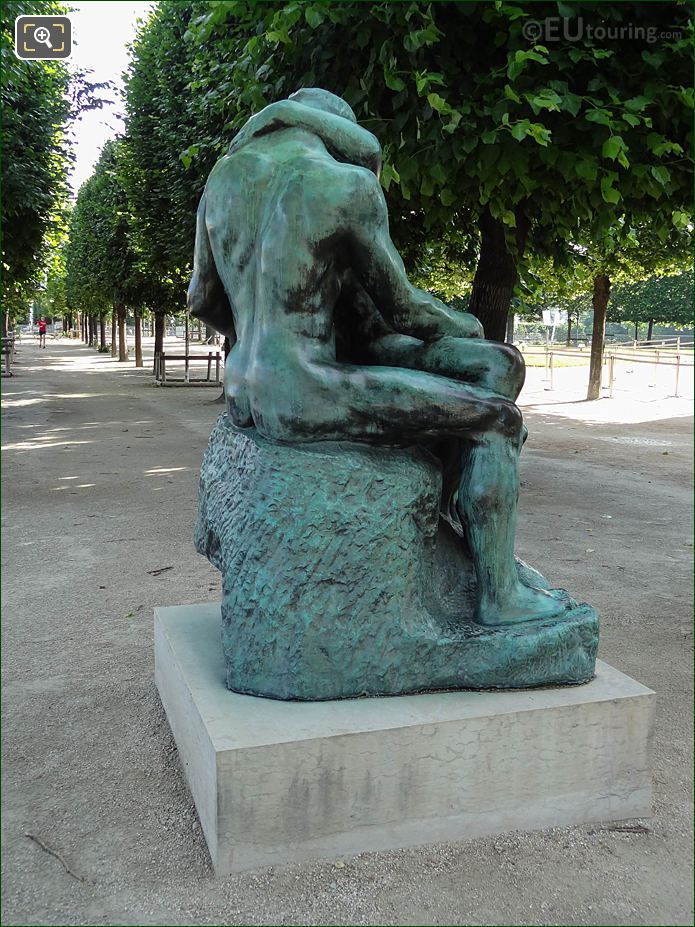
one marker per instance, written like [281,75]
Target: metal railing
[609,358]
[676,343]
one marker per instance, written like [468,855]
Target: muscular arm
[345,140]
[380,269]
[207,299]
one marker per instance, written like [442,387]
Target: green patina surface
[340,578]
[360,493]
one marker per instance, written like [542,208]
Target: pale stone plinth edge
[277,782]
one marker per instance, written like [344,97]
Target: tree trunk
[650,330]
[636,331]
[509,337]
[159,323]
[496,274]
[114,332]
[138,342]
[92,331]
[102,332]
[602,289]
[569,328]
[122,342]
[5,323]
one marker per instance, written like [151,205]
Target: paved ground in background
[100,472]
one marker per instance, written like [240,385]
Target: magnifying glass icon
[43,35]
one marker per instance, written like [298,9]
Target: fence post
[209,367]
[656,365]
[604,361]
[186,367]
[217,367]
[678,372]
[611,374]
[678,343]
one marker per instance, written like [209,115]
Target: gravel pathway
[100,473]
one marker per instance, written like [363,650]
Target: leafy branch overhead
[481,130]
[468,113]
[501,155]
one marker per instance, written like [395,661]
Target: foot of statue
[522,603]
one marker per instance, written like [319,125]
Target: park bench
[8,354]
[160,367]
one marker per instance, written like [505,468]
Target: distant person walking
[42,332]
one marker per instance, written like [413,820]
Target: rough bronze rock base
[278,782]
[341,579]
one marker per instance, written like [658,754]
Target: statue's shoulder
[358,179]
[364,188]
[238,167]
[346,190]
[221,167]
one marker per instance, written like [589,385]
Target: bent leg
[395,405]
[494,366]
[487,504]
[330,401]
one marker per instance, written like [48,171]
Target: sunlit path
[100,479]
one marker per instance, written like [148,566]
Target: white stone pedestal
[277,782]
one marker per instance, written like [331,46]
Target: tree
[40,99]
[51,301]
[162,188]
[35,157]
[534,144]
[628,255]
[667,299]
[103,268]
[621,256]
[161,122]
[86,289]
